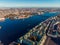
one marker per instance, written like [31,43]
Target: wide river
[13,29]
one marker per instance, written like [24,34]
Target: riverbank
[24,16]
[2,19]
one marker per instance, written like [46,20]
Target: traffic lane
[51,41]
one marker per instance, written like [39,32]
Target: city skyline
[29,3]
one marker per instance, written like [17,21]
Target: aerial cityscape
[29,22]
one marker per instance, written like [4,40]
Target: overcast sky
[29,3]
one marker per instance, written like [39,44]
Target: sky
[29,3]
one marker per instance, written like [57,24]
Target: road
[51,40]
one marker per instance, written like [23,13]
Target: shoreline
[19,17]
[23,16]
[2,19]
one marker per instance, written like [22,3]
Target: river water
[13,29]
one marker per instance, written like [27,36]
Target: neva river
[13,29]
